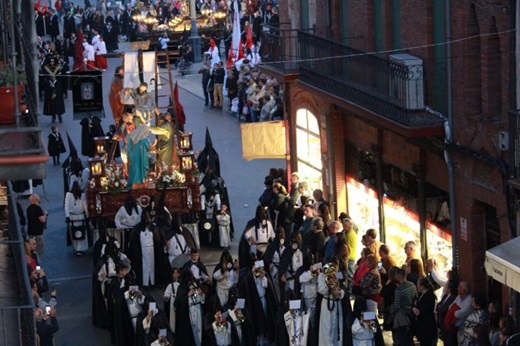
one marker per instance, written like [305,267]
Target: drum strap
[178,242]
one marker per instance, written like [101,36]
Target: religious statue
[166,139]
[137,150]
[114,98]
[144,103]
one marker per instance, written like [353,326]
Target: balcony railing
[280,48]
[388,88]
[376,83]
[21,147]
[17,306]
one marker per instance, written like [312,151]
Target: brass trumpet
[240,315]
[221,322]
[257,271]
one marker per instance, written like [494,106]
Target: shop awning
[503,263]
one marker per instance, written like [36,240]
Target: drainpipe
[421,206]
[14,62]
[514,7]
[377,149]
[331,173]
[449,138]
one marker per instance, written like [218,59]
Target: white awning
[503,263]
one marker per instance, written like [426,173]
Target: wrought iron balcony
[22,153]
[279,51]
[390,90]
[16,301]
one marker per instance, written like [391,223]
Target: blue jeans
[351,270]
[253,114]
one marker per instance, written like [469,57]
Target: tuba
[331,280]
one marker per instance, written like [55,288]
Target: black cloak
[262,323]
[113,294]
[123,329]
[244,255]
[182,319]
[99,308]
[347,318]
[162,266]
[53,103]
[90,128]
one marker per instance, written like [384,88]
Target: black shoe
[206,104]
[60,119]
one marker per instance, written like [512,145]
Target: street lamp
[194,34]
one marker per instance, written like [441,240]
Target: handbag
[245,110]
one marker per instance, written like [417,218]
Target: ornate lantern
[185,143]
[220,16]
[187,161]
[206,10]
[101,145]
[97,169]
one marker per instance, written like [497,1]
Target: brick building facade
[399,154]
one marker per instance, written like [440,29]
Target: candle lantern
[97,169]
[187,161]
[100,145]
[185,142]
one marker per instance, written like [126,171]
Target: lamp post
[194,35]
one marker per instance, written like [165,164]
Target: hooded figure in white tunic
[76,212]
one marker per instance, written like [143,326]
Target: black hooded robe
[90,128]
[114,293]
[99,308]
[162,267]
[183,331]
[262,323]
[347,316]
[244,254]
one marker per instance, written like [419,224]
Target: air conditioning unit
[408,90]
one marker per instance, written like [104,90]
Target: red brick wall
[360,23]
[477,183]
